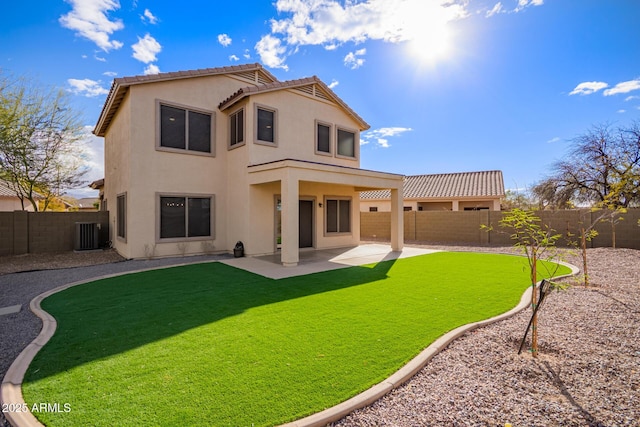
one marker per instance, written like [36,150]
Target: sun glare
[428,33]
[430,44]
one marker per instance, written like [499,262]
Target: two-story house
[198,160]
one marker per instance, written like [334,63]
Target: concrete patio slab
[10,309]
[315,261]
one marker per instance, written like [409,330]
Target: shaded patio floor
[314,261]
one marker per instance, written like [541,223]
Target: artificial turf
[209,344]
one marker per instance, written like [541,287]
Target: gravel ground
[51,261]
[588,372]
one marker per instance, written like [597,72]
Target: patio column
[397,220]
[290,217]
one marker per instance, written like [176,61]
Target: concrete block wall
[35,232]
[464,227]
[377,225]
[6,233]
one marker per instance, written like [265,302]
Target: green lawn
[208,344]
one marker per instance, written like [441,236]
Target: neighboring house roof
[97,184]
[446,185]
[311,86]
[7,191]
[87,202]
[120,86]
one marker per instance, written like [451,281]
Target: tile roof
[310,85]
[5,191]
[447,185]
[120,86]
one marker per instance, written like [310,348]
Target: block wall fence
[36,232]
[463,227]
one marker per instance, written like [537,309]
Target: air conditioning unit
[86,236]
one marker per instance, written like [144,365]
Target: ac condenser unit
[86,236]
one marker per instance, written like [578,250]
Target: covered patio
[292,174]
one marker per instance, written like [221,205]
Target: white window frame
[186,150]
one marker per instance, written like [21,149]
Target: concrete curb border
[11,387]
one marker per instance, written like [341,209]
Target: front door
[305,224]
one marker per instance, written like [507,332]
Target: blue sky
[447,86]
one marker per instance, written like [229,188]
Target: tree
[602,163]
[515,199]
[41,141]
[549,196]
[538,243]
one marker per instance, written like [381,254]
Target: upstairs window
[236,128]
[323,138]
[346,143]
[184,129]
[266,123]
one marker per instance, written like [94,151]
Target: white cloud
[623,87]
[247,54]
[89,19]
[333,83]
[587,88]
[631,98]
[110,73]
[86,87]
[622,111]
[151,69]
[553,140]
[353,60]
[94,155]
[497,8]
[149,17]
[224,40]
[146,49]
[271,52]
[234,58]
[381,136]
[523,4]
[330,23]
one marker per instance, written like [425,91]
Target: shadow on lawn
[111,316]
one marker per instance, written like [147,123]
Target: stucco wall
[296,126]
[10,204]
[117,152]
[136,165]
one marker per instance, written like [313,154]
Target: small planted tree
[538,243]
